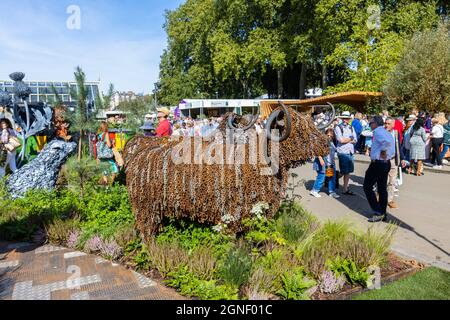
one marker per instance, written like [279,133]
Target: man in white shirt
[381,153]
[437,138]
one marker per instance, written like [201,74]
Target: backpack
[342,128]
[103,151]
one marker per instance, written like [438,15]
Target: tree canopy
[246,48]
[421,80]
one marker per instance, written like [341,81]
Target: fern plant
[296,285]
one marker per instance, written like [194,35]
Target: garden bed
[293,256]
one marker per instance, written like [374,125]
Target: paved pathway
[49,272]
[423,213]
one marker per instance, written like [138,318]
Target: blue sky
[119,41]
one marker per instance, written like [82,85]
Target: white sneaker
[437,167]
[334,195]
[444,161]
[315,194]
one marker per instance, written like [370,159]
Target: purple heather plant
[329,283]
[74,237]
[94,244]
[111,249]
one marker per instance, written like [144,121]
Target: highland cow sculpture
[209,183]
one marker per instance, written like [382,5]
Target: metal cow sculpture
[160,185]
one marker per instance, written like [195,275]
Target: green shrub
[262,231]
[202,263]
[166,257]
[295,285]
[294,223]
[106,211]
[236,266]
[370,247]
[261,283]
[349,269]
[58,230]
[126,234]
[142,258]
[191,236]
[21,218]
[326,243]
[189,285]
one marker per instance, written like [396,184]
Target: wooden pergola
[355,99]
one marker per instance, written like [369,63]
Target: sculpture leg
[24,146]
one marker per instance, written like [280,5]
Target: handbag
[329,172]
[13,144]
[103,151]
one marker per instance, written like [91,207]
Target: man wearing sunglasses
[383,150]
[164,128]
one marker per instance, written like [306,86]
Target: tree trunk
[324,76]
[244,89]
[280,83]
[79,145]
[303,81]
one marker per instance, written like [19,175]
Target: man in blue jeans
[381,153]
[346,139]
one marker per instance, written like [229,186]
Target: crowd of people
[394,144]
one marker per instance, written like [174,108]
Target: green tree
[366,55]
[81,120]
[136,110]
[82,173]
[245,48]
[422,77]
[103,104]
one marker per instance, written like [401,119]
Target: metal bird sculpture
[31,118]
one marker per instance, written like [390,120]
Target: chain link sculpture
[43,171]
[216,193]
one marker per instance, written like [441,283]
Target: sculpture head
[21,90]
[57,151]
[298,137]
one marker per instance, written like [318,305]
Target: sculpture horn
[232,126]
[274,116]
[332,118]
